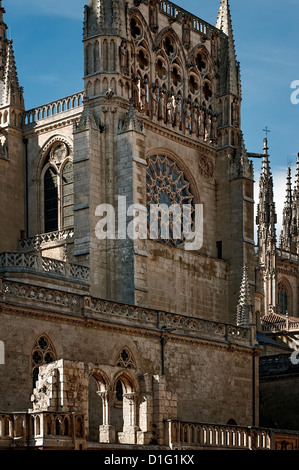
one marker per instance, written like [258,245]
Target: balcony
[37,264]
[42,429]
[46,239]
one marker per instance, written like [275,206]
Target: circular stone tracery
[170,203]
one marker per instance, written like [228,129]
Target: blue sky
[48,48]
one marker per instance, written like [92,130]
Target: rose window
[170,203]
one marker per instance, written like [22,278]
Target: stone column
[128,436]
[106,431]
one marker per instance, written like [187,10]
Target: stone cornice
[59,306]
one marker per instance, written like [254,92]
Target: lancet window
[58,189]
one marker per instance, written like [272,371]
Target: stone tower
[12,154]
[162,95]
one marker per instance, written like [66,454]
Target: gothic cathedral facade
[109,333]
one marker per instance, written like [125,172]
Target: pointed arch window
[43,353]
[283,298]
[58,189]
[51,200]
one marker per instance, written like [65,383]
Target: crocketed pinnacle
[244,308]
[266,213]
[230,68]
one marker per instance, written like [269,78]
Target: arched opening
[124,409]
[51,200]
[95,409]
[284,298]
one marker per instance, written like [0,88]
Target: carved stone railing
[40,240]
[178,13]
[99,309]
[183,435]
[50,297]
[51,109]
[23,262]
[169,322]
[41,428]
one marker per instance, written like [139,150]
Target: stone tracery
[168,86]
[167,187]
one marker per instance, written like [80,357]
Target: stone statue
[208,128]
[154,96]
[124,58]
[187,112]
[162,105]
[201,123]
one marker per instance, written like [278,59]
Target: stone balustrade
[24,262]
[182,435]
[177,13]
[99,309]
[51,109]
[39,428]
[40,240]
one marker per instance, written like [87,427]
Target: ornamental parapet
[35,263]
[44,239]
[98,310]
[42,429]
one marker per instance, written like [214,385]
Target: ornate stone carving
[206,168]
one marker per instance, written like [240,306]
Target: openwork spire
[244,308]
[286,233]
[229,66]
[290,230]
[266,213]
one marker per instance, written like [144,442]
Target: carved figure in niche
[208,128]
[162,105]
[143,101]
[235,113]
[154,95]
[153,15]
[136,91]
[58,153]
[201,123]
[170,108]
[124,58]
[186,33]
[194,119]
[215,126]
[206,168]
[177,113]
[187,112]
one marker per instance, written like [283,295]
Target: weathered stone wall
[279,388]
[12,190]
[212,382]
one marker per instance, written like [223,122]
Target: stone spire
[11,94]
[287,219]
[229,66]
[266,214]
[3,38]
[244,308]
[267,251]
